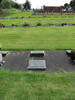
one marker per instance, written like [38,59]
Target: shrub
[26,24]
[2,25]
[39,24]
[22,17]
[29,16]
[13,25]
[63,24]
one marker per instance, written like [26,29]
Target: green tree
[0,4]
[0,1]
[6,4]
[66,6]
[16,5]
[27,5]
[72,4]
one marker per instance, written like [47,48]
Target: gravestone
[4,53]
[0,58]
[37,64]
[37,53]
[68,52]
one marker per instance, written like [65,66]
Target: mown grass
[34,21]
[37,38]
[18,13]
[36,86]
[11,13]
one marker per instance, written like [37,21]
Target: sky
[40,3]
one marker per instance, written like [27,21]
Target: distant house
[53,8]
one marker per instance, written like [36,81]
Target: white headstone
[0,57]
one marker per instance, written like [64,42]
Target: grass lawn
[37,38]
[34,21]
[18,13]
[36,86]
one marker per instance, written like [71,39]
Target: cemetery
[37,52]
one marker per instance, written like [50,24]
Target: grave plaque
[37,64]
[37,53]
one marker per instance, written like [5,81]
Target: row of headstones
[37,64]
[41,64]
[2,54]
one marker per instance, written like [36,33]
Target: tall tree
[0,1]
[72,4]
[66,6]
[16,5]
[6,4]
[27,5]
[0,4]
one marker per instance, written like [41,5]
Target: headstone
[37,53]
[0,58]
[4,53]
[37,64]
[68,51]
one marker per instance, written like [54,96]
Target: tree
[0,5]
[16,5]
[0,1]
[72,4]
[6,4]
[27,5]
[66,6]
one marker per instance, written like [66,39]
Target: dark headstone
[37,53]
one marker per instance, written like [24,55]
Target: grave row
[37,64]
[37,25]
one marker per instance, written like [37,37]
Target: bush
[2,25]
[63,24]
[26,24]
[39,24]
[22,17]
[13,25]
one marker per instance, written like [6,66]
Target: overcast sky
[39,3]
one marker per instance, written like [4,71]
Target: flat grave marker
[37,53]
[37,64]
